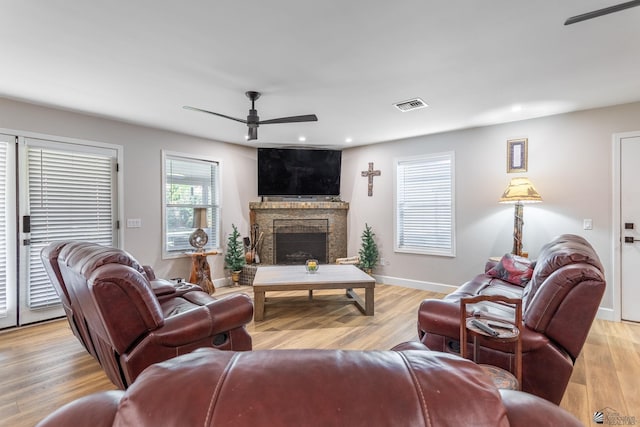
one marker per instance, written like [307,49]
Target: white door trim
[616,244]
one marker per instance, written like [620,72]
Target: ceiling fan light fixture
[253,120]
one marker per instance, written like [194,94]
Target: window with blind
[189,182]
[71,197]
[424,204]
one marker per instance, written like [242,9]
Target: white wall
[142,175]
[570,164]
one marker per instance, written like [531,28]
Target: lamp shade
[200,218]
[520,190]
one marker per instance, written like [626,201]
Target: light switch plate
[134,223]
[587,224]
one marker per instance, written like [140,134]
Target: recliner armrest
[162,287]
[444,315]
[208,320]
[231,312]
[184,328]
[524,409]
[96,410]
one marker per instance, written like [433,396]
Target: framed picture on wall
[517,155]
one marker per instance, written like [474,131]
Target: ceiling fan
[253,121]
[600,12]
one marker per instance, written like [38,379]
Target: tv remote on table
[482,326]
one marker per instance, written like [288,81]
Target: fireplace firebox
[296,240]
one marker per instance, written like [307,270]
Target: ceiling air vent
[411,104]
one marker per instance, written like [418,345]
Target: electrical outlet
[134,223]
[587,224]
[383,261]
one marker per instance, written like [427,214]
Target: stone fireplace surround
[264,213]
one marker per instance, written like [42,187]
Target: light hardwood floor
[43,366]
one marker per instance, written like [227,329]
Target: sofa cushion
[514,269]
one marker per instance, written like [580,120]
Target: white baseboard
[416,284]
[222,283]
[606,314]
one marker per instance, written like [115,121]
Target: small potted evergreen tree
[234,259]
[369,251]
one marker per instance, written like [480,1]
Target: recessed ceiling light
[302,139]
[516,108]
[348,140]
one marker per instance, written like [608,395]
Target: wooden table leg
[368,301]
[258,309]
[366,306]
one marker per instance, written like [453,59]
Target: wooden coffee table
[296,278]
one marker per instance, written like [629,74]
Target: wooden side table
[507,332]
[200,270]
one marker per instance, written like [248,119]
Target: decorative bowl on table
[312,265]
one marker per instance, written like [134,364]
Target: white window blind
[3,229]
[189,182]
[71,197]
[424,211]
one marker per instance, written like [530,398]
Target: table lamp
[198,239]
[519,191]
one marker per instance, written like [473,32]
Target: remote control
[478,324]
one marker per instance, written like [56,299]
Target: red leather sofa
[402,387]
[128,319]
[559,304]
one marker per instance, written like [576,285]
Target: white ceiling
[347,61]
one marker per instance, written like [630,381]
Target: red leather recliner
[559,304]
[312,388]
[131,322]
[49,256]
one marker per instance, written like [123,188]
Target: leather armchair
[131,322]
[559,304]
[403,387]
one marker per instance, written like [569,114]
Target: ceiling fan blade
[292,119]
[186,107]
[600,12]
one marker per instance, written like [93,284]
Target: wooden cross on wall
[370,174]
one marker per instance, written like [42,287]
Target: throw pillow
[514,269]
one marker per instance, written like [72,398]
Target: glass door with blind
[68,192]
[8,237]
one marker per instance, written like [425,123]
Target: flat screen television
[298,172]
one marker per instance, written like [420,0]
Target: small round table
[507,332]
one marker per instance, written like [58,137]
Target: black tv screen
[298,172]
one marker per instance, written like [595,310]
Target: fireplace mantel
[298,205]
[263,215]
